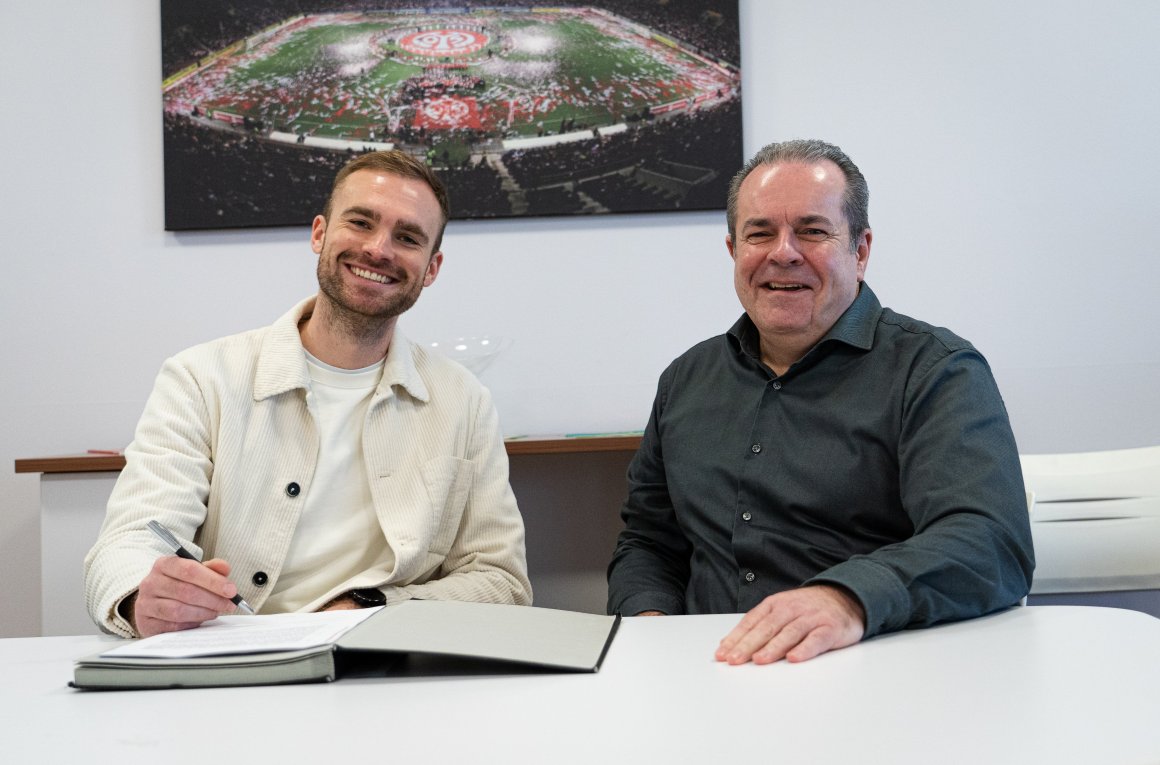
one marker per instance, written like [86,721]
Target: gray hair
[855,201]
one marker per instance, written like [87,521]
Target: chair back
[1095,519]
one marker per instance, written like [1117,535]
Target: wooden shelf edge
[111,463]
[573,445]
[74,463]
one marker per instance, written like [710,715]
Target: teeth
[786,286]
[370,275]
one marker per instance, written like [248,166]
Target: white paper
[236,634]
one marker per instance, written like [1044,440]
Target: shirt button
[747,516]
[750,576]
[776,385]
[260,578]
[293,489]
[756,448]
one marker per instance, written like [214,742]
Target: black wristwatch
[368,597]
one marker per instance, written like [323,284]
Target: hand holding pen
[180,592]
[164,535]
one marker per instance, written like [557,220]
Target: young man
[324,461]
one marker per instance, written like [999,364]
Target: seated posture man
[833,468]
[324,461]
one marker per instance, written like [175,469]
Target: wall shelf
[112,463]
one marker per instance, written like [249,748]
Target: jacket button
[260,578]
[750,576]
[293,489]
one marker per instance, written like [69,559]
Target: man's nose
[785,250]
[379,245]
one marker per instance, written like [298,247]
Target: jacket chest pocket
[448,483]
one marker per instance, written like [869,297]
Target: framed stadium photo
[533,108]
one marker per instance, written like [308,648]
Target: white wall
[1011,153]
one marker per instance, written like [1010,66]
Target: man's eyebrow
[411,227]
[365,212]
[807,220]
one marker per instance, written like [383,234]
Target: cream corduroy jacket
[225,453]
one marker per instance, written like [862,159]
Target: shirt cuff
[651,601]
[883,598]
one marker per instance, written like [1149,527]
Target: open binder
[247,650]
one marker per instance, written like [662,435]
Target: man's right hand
[179,594]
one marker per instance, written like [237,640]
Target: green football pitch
[485,74]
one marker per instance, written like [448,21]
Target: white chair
[1096,526]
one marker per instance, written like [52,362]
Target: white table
[1053,685]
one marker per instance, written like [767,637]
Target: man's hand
[179,594]
[795,625]
[341,603]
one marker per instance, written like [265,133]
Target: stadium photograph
[535,108]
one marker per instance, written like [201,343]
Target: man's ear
[317,234]
[862,252]
[729,246]
[433,266]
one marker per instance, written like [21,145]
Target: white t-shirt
[338,534]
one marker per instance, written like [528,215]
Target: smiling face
[375,248]
[794,268]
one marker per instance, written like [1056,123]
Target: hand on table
[795,625]
[179,594]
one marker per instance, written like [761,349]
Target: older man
[321,462]
[831,467]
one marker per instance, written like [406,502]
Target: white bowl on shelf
[476,352]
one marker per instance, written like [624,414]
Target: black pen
[164,535]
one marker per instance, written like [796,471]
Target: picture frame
[528,109]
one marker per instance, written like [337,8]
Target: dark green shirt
[882,461]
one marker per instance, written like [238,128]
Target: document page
[237,634]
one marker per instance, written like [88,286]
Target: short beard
[362,326]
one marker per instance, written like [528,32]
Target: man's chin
[780,322]
[372,304]
[380,309]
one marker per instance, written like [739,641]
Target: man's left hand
[795,625]
[341,603]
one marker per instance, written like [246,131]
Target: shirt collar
[282,364]
[856,326]
[400,369]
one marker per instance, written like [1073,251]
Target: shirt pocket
[448,481]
